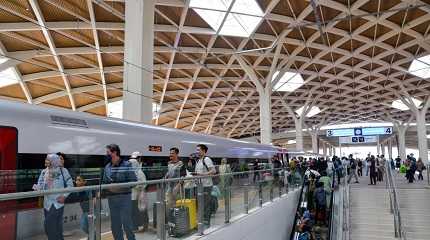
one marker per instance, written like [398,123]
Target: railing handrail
[99,187]
[398,227]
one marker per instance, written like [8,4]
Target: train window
[8,148]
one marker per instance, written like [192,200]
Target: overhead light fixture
[288,82]
[240,21]
[291,142]
[398,104]
[115,109]
[420,67]
[7,76]
[314,111]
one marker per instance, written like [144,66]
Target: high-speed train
[29,132]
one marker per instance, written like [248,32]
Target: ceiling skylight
[398,104]
[420,67]
[8,76]
[241,20]
[115,109]
[314,111]
[288,82]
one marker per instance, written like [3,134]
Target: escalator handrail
[299,204]
[330,219]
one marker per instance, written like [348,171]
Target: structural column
[138,60]
[314,136]
[420,116]
[299,134]
[401,133]
[324,147]
[390,149]
[266,116]
[383,149]
[422,135]
[330,150]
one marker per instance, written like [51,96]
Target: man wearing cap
[119,171]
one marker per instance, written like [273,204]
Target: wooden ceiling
[353,56]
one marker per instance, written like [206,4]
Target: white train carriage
[28,132]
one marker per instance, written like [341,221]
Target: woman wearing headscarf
[225,179]
[53,177]
[138,195]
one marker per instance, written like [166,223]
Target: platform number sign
[388,130]
[329,133]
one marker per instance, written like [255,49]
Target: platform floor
[217,220]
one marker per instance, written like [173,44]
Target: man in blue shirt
[119,171]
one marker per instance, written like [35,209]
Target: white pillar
[383,149]
[390,149]
[314,137]
[324,147]
[422,135]
[138,60]
[299,134]
[330,150]
[401,133]
[265,116]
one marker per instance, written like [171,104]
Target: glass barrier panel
[237,202]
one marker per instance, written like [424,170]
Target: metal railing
[394,204]
[97,190]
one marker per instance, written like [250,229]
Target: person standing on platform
[360,167]
[367,164]
[352,169]
[420,169]
[139,198]
[256,167]
[119,199]
[205,167]
[398,163]
[176,169]
[372,170]
[225,179]
[53,177]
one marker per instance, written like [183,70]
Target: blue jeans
[120,215]
[54,223]
[84,222]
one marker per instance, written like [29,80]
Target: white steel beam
[40,19]
[99,56]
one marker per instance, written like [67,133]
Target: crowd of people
[127,206]
[318,177]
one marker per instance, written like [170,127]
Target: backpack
[353,164]
[215,179]
[304,236]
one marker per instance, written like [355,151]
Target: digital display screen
[359,131]
[155,148]
[340,132]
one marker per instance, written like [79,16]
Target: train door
[8,156]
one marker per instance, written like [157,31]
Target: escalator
[305,224]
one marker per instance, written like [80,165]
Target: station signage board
[358,139]
[345,132]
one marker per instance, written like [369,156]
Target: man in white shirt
[205,167]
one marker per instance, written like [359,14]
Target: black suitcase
[179,221]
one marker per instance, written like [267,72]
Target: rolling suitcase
[192,210]
[179,223]
[179,218]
